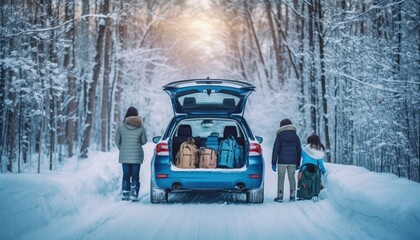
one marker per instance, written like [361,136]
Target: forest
[347,70]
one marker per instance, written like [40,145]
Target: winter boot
[292,196]
[134,191]
[279,198]
[125,194]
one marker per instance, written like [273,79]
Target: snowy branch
[368,84]
[39,30]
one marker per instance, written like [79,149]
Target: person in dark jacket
[286,156]
[129,138]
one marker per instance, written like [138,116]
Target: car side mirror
[156,139]
[259,139]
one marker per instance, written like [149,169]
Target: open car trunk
[209,133]
[216,97]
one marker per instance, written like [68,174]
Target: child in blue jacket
[313,152]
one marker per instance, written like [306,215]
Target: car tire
[255,195]
[158,195]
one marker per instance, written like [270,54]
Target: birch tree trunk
[122,36]
[52,97]
[105,88]
[69,64]
[11,119]
[323,80]
[92,87]
[257,43]
[275,40]
[312,77]
[3,80]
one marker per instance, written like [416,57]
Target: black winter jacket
[287,146]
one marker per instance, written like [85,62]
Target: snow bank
[82,202]
[30,201]
[383,196]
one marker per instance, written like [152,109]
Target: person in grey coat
[129,138]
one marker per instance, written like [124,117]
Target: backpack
[186,157]
[208,158]
[230,153]
[309,181]
[239,155]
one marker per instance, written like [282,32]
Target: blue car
[208,110]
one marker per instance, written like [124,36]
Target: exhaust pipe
[240,186]
[176,186]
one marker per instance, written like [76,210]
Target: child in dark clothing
[286,156]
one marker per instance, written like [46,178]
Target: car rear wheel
[255,195]
[158,195]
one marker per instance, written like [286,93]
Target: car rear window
[206,127]
[208,99]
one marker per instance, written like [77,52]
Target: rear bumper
[164,176]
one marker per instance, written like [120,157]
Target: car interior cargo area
[208,143]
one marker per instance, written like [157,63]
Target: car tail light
[162,149]
[255,149]
[162,176]
[254,175]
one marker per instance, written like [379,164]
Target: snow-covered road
[81,202]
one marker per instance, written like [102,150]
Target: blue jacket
[286,148]
[313,156]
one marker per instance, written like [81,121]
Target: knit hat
[285,121]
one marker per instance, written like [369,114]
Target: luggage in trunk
[187,154]
[208,158]
[230,153]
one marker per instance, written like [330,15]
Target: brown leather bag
[208,158]
[186,157]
